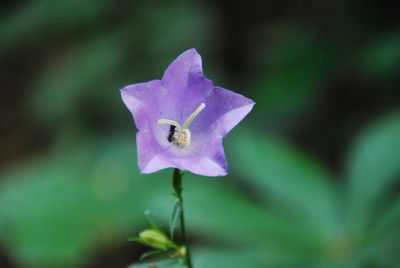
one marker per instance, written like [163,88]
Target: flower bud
[182,251]
[154,239]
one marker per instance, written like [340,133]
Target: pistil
[180,135]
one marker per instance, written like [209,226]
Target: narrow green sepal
[152,224]
[150,253]
[176,213]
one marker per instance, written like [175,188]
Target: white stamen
[169,122]
[182,135]
[193,116]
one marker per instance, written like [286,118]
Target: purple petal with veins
[182,118]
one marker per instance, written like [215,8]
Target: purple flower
[183,117]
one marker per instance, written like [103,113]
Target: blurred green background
[315,167]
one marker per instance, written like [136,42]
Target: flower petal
[179,71]
[138,97]
[148,102]
[181,91]
[194,162]
[186,84]
[224,110]
[148,148]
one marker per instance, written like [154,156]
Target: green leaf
[34,20]
[297,63]
[232,258]
[219,213]
[387,225]
[176,213]
[286,179]
[134,239]
[253,257]
[170,263]
[374,165]
[57,209]
[80,72]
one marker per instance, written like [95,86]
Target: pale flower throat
[180,135]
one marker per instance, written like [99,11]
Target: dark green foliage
[314,169]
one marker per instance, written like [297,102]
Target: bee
[171,133]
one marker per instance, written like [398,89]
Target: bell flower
[182,118]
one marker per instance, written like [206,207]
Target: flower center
[180,135]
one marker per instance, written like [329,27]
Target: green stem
[177,183]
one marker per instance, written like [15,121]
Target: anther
[180,135]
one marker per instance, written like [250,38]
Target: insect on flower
[182,118]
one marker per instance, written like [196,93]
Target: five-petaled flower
[182,118]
